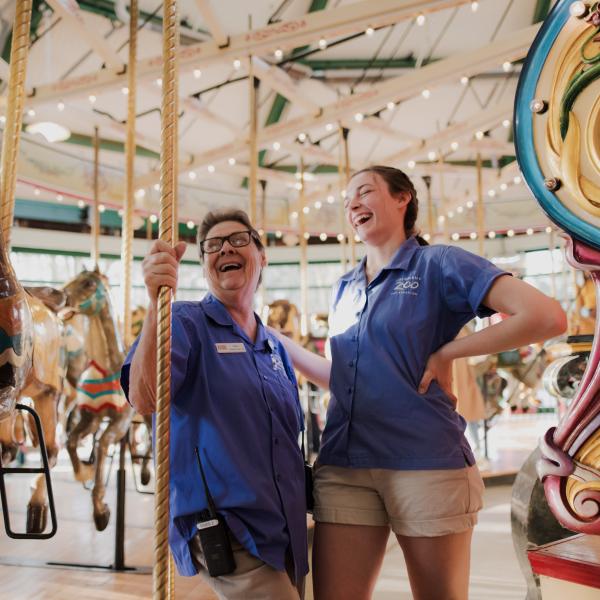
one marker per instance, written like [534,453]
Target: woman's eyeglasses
[238,239]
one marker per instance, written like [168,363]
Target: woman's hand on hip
[438,368]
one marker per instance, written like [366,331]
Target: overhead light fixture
[50,131]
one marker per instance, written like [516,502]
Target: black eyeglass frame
[227,238]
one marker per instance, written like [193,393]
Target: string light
[190,224]
[464,80]
[426,94]
[231,161]
[156,187]
[318,204]
[101,208]
[459,209]
[197,73]
[192,175]
[306,210]
[432,155]
[36,191]
[426,237]
[492,235]
[507,66]
[411,164]
[158,82]
[330,199]
[329,127]
[210,168]
[456,237]
[491,193]
[60,106]
[322,43]
[506,123]
[294,215]
[306,235]
[474,6]
[80,203]
[391,105]
[153,218]
[302,137]
[278,234]
[479,135]
[517,180]
[125,90]
[548,229]
[470,204]
[454,146]
[323,237]
[340,237]
[276,146]
[31,112]
[358,117]
[237,63]
[278,54]
[510,233]
[473,235]
[59,197]
[92,99]
[421,20]
[529,231]
[503,187]
[369,31]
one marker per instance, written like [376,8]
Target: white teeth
[361,219]
[230,267]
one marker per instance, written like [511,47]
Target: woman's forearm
[314,367]
[142,374]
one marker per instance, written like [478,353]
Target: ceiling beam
[483,120]
[212,22]
[286,35]
[69,11]
[448,70]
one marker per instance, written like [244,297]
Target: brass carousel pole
[345,133]
[480,207]
[162,573]
[303,256]
[96,204]
[342,212]
[14,114]
[127,231]
[430,215]
[263,238]
[253,180]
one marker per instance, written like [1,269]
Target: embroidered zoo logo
[407,285]
[277,362]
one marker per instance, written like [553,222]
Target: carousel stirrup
[36,516]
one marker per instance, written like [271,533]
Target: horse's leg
[45,404]
[116,429]
[145,473]
[88,423]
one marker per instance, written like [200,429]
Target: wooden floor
[25,576]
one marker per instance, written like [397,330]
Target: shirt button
[354,338]
[351,363]
[265,378]
[276,440]
[349,390]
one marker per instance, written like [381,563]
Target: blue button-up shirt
[237,400]
[382,335]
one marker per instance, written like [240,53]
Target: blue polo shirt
[237,401]
[382,335]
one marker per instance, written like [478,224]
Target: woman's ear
[403,198]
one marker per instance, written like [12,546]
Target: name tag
[230,348]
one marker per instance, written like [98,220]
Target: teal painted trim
[79,139]
[60,213]
[108,379]
[99,394]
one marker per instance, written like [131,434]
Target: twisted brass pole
[253,180]
[163,572]
[351,240]
[342,212]
[96,206]
[127,230]
[480,207]
[14,114]
[303,256]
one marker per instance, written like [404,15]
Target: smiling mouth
[230,267]
[361,220]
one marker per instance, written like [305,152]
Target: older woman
[394,455]
[234,397]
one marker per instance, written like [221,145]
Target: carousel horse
[140,433]
[32,365]
[99,395]
[557,138]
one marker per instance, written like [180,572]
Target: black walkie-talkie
[214,539]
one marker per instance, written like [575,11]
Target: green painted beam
[112,145]
[542,8]
[317,64]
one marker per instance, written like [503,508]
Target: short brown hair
[398,181]
[215,217]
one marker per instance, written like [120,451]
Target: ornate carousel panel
[558,148]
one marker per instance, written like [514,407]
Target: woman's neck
[242,313]
[379,255]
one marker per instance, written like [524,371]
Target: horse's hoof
[37,518]
[101,519]
[145,475]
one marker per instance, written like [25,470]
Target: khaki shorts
[412,503]
[252,579]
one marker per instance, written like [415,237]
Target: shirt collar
[400,260]
[217,312]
